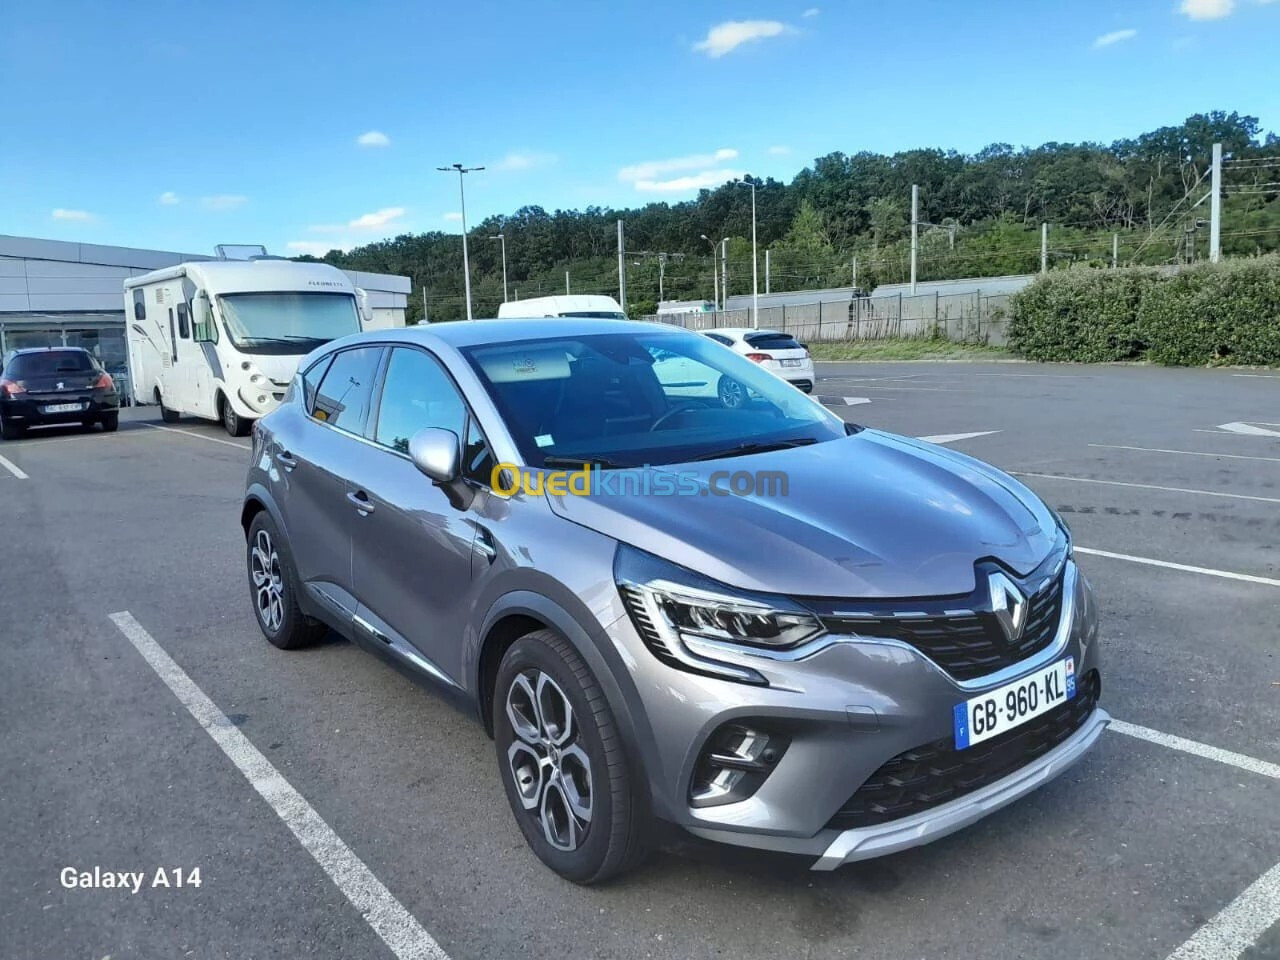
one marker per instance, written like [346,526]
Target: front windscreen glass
[287,322]
[629,399]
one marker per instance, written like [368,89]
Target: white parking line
[1258,376]
[1188,453]
[1239,925]
[1146,486]
[198,436]
[953,437]
[1185,568]
[397,927]
[13,468]
[1243,761]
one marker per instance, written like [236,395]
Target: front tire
[273,588]
[167,415]
[577,798]
[232,422]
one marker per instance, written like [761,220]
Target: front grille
[961,635]
[937,772]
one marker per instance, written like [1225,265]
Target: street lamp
[501,238]
[462,196]
[755,278]
[715,273]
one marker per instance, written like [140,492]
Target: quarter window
[416,393]
[345,392]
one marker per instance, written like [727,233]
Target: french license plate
[1014,704]
[64,408]
[791,363]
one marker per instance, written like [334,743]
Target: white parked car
[777,352]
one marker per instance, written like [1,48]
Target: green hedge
[1212,313]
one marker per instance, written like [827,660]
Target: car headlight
[696,624]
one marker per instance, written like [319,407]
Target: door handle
[286,459]
[360,500]
[484,544]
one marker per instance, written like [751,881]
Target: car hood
[873,515]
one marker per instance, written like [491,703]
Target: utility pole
[462,197]
[1044,248]
[855,273]
[724,272]
[662,273]
[715,275]
[1215,206]
[566,282]
[766,270]
[915,234]
[502,238]
[1115,250]
[425,318]
[622,271]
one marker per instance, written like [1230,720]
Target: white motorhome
[566,305]
[221,339]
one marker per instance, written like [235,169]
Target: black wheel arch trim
[615,680]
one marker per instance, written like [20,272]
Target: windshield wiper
[745,448]
[588,461]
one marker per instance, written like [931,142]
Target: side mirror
[366,309]
[435,453]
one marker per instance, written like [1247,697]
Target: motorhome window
[343,398]
[287,323]
[184,324]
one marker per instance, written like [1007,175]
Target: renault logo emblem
[1008,604]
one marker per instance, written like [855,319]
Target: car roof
[743,331]
[21,351]
[470,333]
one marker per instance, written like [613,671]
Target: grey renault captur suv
[674,588]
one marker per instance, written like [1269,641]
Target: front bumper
[847,709]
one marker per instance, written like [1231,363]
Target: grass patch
[906,348]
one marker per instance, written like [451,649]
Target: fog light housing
[735,761]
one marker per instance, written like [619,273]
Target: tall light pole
[462,196]
[501,238]
[715,274]
[755,264]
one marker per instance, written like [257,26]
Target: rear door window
[345,392]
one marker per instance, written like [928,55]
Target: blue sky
[308,125]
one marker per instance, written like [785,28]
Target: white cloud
[453,216]
[74,216]
[728,36]
[811,12]
[374,138]
[690,182]
[652,169]
[377,220]
[223,201]
[779,150]
[168,199]
[317,248]
[1115,36]
[523,160]
[1207,9]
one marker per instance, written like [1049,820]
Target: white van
[567,305]
[221,339]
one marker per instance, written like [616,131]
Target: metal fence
[972,317]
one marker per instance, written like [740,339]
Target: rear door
[315,450]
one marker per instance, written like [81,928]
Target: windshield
[630,399]
[287,322]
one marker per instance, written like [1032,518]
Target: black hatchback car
[55,385]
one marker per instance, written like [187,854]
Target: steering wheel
[671,413]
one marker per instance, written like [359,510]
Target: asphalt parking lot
[1164,842]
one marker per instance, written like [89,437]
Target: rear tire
[167,415]
[11,431]
[577,798]
[273,588]
[111,422]
[232,422]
